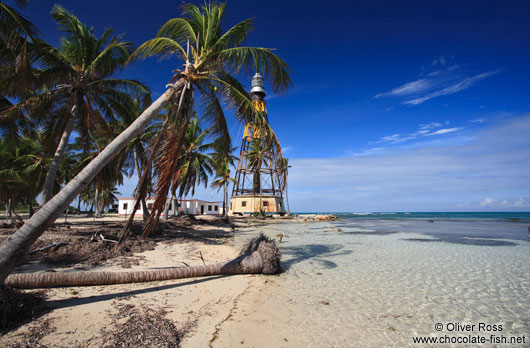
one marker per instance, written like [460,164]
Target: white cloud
[424,130]
[445,80]
[454,88]
[445,131]
[487,202]
[439,61]
[408,88]
[431,125]
[491,162]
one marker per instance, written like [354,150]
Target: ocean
[399,279]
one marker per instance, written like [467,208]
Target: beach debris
[260,255]
[280,236]
[55,247]
[98,235]
[326,303]
[19,307]
[202,258]
[143,328]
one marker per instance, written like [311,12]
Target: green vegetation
[49,93]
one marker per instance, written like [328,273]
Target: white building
[184,206]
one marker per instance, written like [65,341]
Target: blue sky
[396,106]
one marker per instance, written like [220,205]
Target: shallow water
[379,283]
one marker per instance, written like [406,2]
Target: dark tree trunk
[256,188]
[30,206]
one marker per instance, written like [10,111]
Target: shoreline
[198,307]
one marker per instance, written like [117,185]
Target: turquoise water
[379,282]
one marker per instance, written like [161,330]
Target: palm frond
[178,29]
[247,60]
[160,46]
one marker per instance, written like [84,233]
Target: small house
[184,206]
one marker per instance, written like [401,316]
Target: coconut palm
[260,255]
[209,68]
[18,78]
[285,189]
[80,81]
[136,151]
[258,155]
[222,180]
[22,170]
[194,164]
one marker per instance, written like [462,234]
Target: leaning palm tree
[80,77]
[136,151]
[208,69]
[211,59]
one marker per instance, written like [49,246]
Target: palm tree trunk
[49,181]
[166,209]
[261,256]
[256,182]
[97,204]
[16,246]
[30,206]
[145,212]
[225,199]
[287,197]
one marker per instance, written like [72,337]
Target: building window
[209,208]
[265,204]
[216,208]
[170,206]
[280,204]
[149,205]
[125,205]
[243,203]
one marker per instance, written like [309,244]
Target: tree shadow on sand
[317,252]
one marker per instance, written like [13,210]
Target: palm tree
[221,180]
[258,155]
[22,170]
[285,168]
[209,69]
[136,151]
[80,78]
[194,164]
[260,255]
[19,50]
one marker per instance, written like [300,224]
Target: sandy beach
[346,283]
[203,310]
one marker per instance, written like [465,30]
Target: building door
[202,209]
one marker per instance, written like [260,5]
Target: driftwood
[57,245]
[99,233]
[261,255]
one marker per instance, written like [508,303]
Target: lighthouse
[261,174]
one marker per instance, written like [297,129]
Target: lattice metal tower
[260,175]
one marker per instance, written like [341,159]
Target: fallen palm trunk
[261,255]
